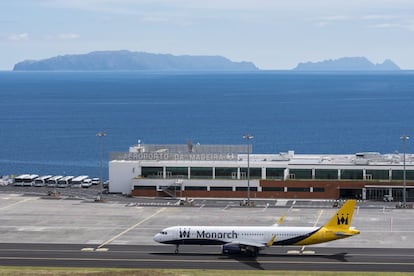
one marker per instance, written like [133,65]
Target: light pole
[404,139]
[101,135]
[248,137]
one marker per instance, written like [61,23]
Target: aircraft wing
[247,243]
[254,244]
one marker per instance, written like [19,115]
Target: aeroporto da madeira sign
[158,156]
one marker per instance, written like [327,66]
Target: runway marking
[316,223]
[130,228]
[208,261]
[319,217]
[15,203]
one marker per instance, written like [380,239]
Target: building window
[273,189]
[326,174]
[352,174]
[151,172]
[177,172]
[275,173]
[398,175]
[253,189]
[221,188]
[318,190]
[201,172]
[139,187]
[301,173]
[255,173]
[378,174]
[195,188]
[226,173]
[298,189]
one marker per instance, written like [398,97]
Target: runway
[73,232]
[206,257]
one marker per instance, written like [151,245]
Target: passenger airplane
[250,239]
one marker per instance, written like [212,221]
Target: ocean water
[49,120]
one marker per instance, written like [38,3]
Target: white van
[77,181]
[87,183]
[25,180]
[41,180]
[52,182]
[64,181]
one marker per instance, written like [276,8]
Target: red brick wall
[331,190]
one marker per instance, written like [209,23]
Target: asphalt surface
[74,230]
[207,257]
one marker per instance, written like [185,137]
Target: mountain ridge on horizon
[347,64]
[128,60]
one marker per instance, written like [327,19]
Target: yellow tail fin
[342,219]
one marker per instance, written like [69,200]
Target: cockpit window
[163,233]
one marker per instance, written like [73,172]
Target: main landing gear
[176,249]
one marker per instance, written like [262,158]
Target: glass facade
[221,188]
[139,187]
[301,173]
[177,172]
[326,174]
[273,189]
[252,189]
[152,172]
[275,173]
[255,173]
[352,174]
[398,175]
[377,174]
[195,188]
[201,173]
[298,189]
[226,173]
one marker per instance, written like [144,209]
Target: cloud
[68,36]
[154,19]
[18,37]
[328,20]
[379,17]
[380,21]
[405,26]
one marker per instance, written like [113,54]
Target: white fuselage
[229,234]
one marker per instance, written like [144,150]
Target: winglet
[342,219]
[271,241]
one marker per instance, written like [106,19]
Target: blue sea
[49,120]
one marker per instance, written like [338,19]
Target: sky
[273,34]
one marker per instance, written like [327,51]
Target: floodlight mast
[248,138]
[404,139]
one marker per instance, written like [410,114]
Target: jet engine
[229,249]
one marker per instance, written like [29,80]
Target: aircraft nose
[157,237]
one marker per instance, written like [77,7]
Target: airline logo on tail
[342,220]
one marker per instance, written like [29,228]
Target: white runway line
[316,223]
[130,228]
[13,204]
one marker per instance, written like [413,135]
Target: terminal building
[189,170]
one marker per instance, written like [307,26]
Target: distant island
[347,64]
[127,60]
